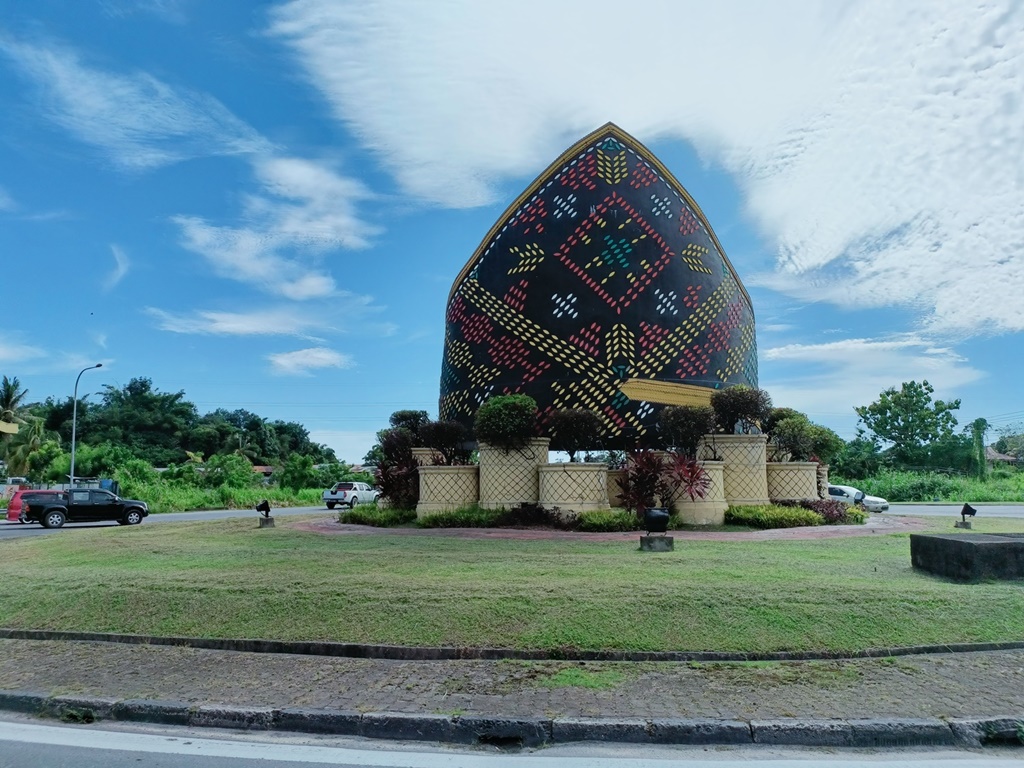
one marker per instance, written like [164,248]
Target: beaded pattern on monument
[602,275]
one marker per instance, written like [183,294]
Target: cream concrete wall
[574,487]
[711,509]
[511,479]
[745,475]
[443,489]
[792,480]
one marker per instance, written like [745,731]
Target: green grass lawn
[229,579]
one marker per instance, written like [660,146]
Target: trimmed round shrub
[742,405]
[507,421]
[682,427]
[574,430]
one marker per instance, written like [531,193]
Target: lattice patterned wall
[511,479]
[745,475]
[792,481]
[447,488]
[575,487]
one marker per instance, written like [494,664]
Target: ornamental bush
[740,405]
[507,421]
[682,427]
[574,430]
[608,520]
[771,516]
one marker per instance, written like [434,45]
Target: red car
[16,506]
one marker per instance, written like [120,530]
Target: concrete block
[507,733]
[152,711]
[657,543]
[803,733]
[311,720]
[405,727]
[565,729]
[699,731]
[911,732]
[970,557]
[225,716]
[26,702]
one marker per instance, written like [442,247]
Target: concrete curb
[448,653]
[514,733]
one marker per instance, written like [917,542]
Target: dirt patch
[877,524]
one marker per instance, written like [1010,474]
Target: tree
[574,430]
[410,420]
[740,407]
[909,419]
[978,429]
[12,401]
[447,438]
[683,426]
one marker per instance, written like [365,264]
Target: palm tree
[12,401]
[20,447]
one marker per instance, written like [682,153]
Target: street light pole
[74,419]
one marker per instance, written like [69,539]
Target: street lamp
[74,419]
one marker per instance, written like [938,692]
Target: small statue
[264,507]
[968,510]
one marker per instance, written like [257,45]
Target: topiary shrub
[574,430]
[740,406]
[446,438]
[771,516]
[507,421]
[682,427]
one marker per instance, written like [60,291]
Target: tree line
[159,428]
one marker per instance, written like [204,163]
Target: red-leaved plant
[653,478]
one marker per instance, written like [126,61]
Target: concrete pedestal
[266,522]
[657,544]
[962,524]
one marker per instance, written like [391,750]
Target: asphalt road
[24,743]
[17,530]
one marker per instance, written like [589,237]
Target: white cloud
[11,352]
[826,381]
[6,201]
[121,267]
[307,209]
[302,361]
[877,145]
[262,322]
[138,121]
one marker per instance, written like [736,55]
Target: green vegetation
[371,514]
[1001,484]
[230,579]
[771,516]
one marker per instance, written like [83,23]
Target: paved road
[953,510]
[25,743]
[17,530]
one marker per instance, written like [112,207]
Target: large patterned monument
[603,286]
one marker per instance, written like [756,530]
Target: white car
[850,495]
[348,494]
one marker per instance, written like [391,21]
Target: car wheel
[352,504]
[132,517]
[54,519]
[331,505]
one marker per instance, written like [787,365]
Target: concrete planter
[711,509]
[792,480]
[425,457]
[613,490]
[745,457]
[573,487]
[443,489]
[511,479]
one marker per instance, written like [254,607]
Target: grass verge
[227,578]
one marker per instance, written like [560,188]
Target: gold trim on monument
[8,428]
[666,392]
[608,129]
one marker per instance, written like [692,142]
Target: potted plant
[510,452]
[574,430]
[740,409]
[653,479]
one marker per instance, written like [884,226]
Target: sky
[264,204]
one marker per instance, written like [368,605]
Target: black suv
[85,505]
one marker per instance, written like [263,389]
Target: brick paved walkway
[941,685]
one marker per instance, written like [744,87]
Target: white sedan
[850,495]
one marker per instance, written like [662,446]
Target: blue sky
[265,204]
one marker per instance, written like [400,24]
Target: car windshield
[345,486]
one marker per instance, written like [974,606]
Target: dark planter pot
[656,520]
